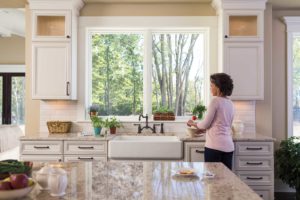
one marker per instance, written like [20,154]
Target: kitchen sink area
[145,147]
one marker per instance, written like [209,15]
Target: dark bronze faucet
[153,129]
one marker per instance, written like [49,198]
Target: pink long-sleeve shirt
[218,122]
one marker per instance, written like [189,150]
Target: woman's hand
[201,131]
[191,123]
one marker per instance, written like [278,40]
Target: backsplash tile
[68,111]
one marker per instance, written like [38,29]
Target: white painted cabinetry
[65,150]
[54,48]
[194,151]
[241,46]
[254,164]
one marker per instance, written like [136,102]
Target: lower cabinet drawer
[256,177]
[254,163]
[194,151]
[85,158]
[197,154]
[265,192]
[85,147]
[41,147]
[43,158]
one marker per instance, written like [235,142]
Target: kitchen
[257,112]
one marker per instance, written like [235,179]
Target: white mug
[57,182]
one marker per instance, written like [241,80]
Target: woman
[219,146]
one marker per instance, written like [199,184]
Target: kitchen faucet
[140,129]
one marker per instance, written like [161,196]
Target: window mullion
[147,82]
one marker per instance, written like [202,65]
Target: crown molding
[220,5]
[292,23]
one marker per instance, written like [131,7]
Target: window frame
[87,23]
[293,29]
[6,73]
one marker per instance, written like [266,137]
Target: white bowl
[193,132]
[16,193]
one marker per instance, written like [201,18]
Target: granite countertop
[134,180]
[183,137]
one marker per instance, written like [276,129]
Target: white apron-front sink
[145,147]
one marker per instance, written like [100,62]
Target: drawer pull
[85,147]
[254,148]
[261,195]
[254,163]
[41,147]
[254,178]
[198,151]
[80,158]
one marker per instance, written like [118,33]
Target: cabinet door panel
[50,74]
[244,63]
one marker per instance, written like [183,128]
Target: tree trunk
[163,69]
[170,82]
[107,82]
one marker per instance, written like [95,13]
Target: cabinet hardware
[254,178]
[226,36]
[41,147]
[90,158]
[67,90]
[68,36]
[254,163]
[85,147]
[198,151]
[254,148]
[261,195]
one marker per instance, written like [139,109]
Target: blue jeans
[212,155]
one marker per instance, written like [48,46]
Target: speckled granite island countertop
[134,180]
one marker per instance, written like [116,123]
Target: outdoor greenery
[97,122]
[163,109]
[18,100]
[288,163]
[117,72]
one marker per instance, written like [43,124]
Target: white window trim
[12,68]
[292,29]
[135,24]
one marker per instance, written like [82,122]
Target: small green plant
[163,109]
[97,121]
[199,110]
[287,163]
[112,122]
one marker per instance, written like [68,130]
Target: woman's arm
[211,111]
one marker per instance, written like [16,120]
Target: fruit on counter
[5,185]
[194,117]
[19,180]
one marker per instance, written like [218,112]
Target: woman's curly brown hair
[223,82]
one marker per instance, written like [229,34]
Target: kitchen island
[151,180]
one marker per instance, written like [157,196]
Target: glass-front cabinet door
[243,26]
[51,25]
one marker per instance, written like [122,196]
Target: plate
[186,172]
[16,193]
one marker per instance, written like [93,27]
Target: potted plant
[112,124]
[288,163]
[97,123]
[199,111]
[94,110]
[164,113]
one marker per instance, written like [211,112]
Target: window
[12,98]
[133,72]
[293,75]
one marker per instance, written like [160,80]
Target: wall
[12,50]
[148,9]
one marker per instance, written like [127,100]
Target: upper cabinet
[51,25]
[241,46]
[243,25]
[54,48]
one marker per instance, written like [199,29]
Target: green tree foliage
[117,83]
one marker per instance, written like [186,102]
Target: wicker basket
[59,126]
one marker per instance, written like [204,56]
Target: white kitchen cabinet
[51,25]
[54,48]
[254,164]
[52,71]
[84,158]
[244,62]
[194,151]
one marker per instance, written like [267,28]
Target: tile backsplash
[68,110]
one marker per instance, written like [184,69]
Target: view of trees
[17,100]
[1,98]
[117,72]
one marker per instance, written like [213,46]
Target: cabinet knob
[68,36]
[226,36]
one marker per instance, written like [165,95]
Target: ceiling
[277,4]
[16,23]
